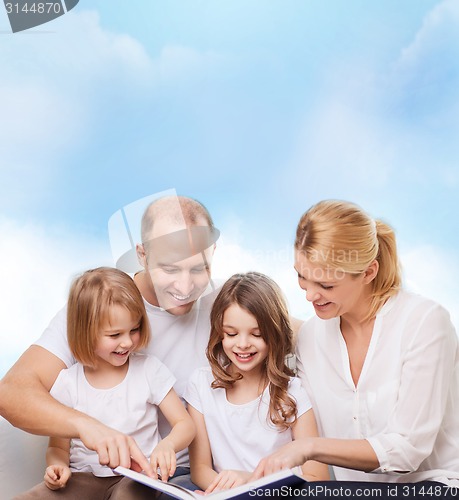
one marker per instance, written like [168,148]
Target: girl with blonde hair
[112,382]
[247,403]
[380,364]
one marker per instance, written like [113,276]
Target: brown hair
[90,298]
[261,297]
[340,235]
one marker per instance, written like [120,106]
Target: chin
[180,310]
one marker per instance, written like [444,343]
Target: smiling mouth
[321,305]
[245,356]
[181,298]
[122,353]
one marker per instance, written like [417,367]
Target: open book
[274,485]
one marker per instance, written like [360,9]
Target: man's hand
[227,479]
[56,476]
[113,447]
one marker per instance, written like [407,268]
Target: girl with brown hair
[247,403]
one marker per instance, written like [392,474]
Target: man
[178,241]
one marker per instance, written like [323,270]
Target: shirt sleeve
[63,390]
[300,395]
[54,338]
[192,395]
[160,379]
[425,381]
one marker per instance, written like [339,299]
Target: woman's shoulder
[410,304]
[314,329]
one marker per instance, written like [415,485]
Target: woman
[380,364]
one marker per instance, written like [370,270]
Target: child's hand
[56,476]
[163,458]
[227,479]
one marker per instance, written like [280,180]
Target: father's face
[178,261]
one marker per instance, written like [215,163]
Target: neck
[105,375]
[253,379]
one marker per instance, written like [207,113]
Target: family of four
[167,370]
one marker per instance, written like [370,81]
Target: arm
[57,457]
[306,427]
[350,453]
[202,472]
[30,379]
[180,436]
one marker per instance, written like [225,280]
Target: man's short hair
[177,209]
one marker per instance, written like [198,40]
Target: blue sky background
[258,108]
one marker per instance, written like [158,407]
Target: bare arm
[350,453]
[306,427]
[202,472]
[180,436]
[58,471]
[30,379]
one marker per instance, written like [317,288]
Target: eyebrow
[235,328]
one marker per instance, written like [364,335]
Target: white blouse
[406,402]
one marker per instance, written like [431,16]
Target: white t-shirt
[130,407]
[239,435]
[177,341]
[406,400]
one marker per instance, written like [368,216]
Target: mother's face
[332,291]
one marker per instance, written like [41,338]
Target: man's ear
[141,255]
[371,272]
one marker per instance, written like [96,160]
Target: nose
[184,283]
[243,341]
[126,341]
[312,295]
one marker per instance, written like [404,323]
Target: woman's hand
[286,457]
[56,476]
[227,479]
[163,458]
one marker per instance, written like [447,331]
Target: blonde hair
[90,298]
[262,298]
[340,235]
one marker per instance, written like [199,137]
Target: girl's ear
[371,272]
[141,255]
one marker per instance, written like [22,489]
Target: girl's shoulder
[298,392]
[202,374]
[294,385]
[141,362]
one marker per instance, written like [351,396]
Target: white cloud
[58,87]
[437,35]
[343,141]
[38,264]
